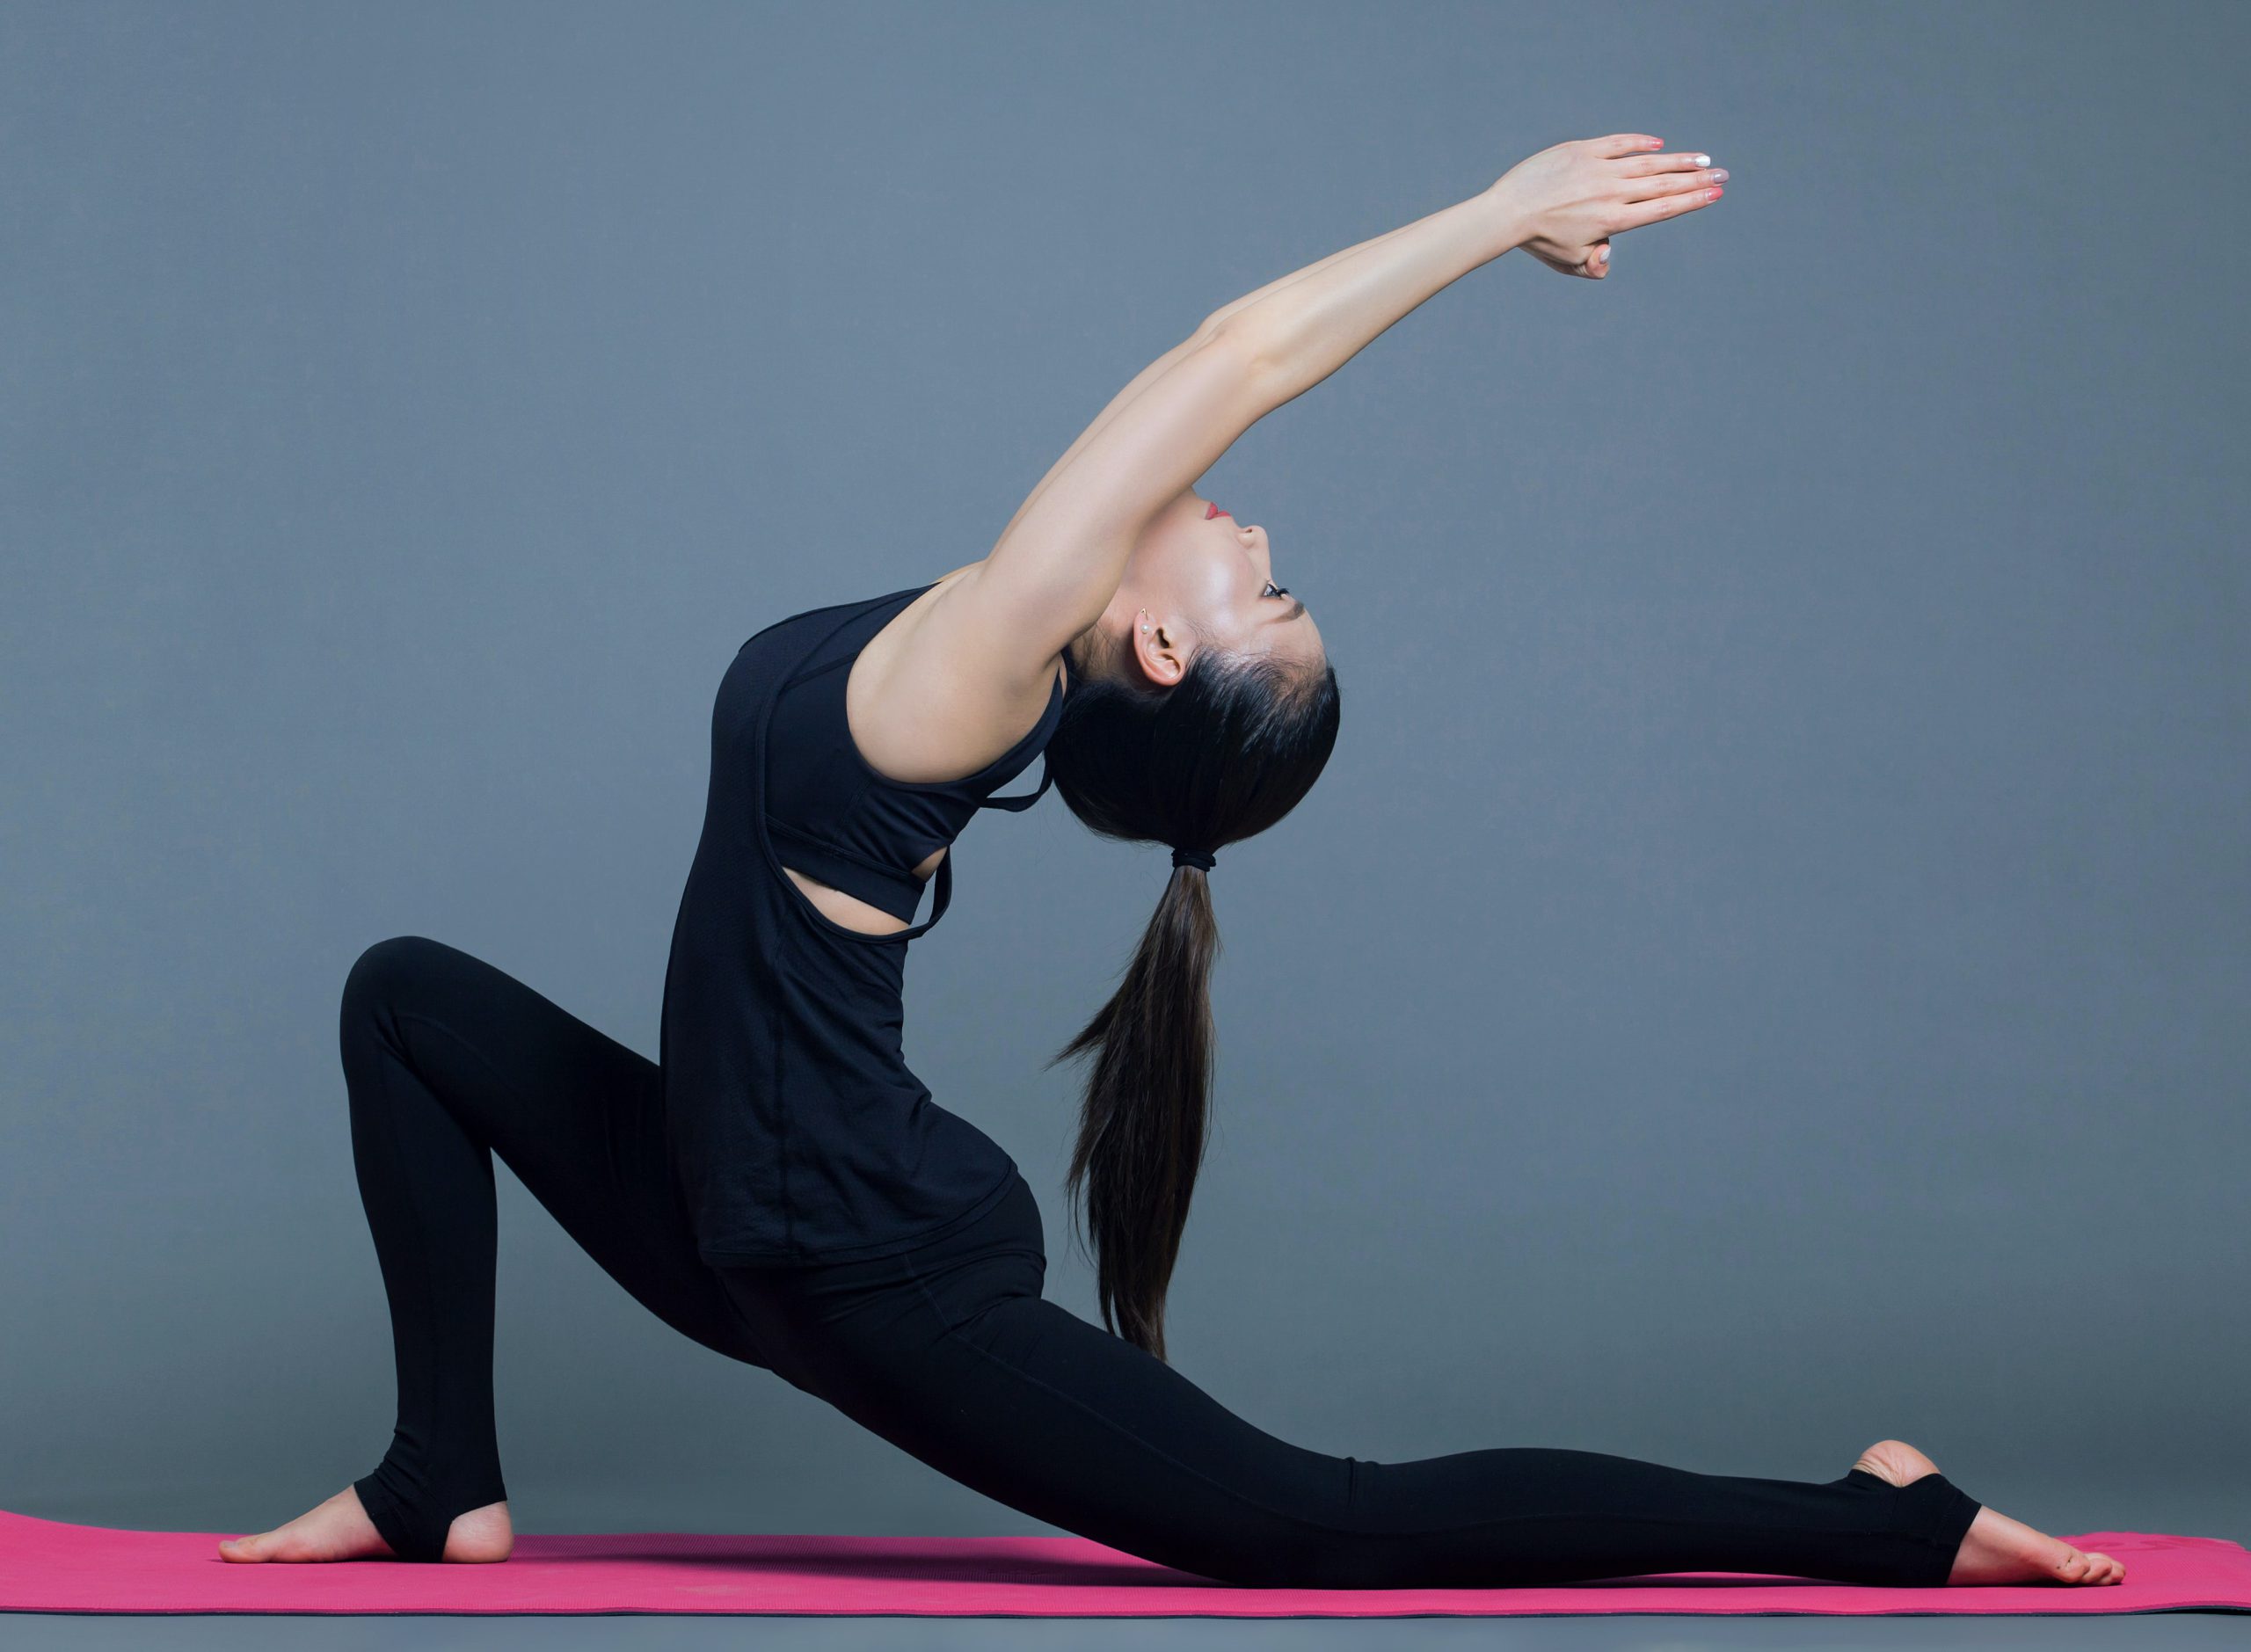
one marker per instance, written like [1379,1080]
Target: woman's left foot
[1996,1549]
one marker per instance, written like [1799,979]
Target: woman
[780,1187]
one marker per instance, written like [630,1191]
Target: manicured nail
[1719,175]
[1703,160]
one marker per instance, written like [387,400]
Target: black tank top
[798,1132]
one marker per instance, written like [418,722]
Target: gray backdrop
[1765,971]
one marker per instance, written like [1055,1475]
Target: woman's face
[1197,577]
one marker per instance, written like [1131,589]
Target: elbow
[1256,352]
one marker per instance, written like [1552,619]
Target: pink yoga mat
[50,1566]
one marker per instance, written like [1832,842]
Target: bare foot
[1996,1549]
[340,1529]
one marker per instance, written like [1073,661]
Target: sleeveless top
[796,1130]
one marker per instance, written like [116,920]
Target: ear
[1160,658]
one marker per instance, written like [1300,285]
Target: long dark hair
[1218,756]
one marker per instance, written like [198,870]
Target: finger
[1643,212]
[1642,165]
[1597,262]
[1663,184]
[1618,143]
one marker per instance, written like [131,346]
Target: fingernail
[1602,255]
[1719,175]
[1703,160]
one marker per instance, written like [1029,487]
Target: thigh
[957,1359]
[952,1353]
[576,1116]
[1084,1429]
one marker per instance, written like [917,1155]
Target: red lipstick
[1214,510]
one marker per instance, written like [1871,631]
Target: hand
[1566,202]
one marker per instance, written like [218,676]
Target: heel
[417,1529]
[1938,1514]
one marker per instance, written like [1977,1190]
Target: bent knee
[386,972]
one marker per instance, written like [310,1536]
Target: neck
[1088,654]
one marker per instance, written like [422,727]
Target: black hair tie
[1192,857]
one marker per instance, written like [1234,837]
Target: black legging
[950,1353]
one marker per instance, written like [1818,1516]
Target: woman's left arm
[1563,205]
[1057,564]
[1158,368]
[979,665]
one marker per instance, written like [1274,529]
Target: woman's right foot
[1996,1549]
[340,1529]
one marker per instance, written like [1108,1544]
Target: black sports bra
[832,816]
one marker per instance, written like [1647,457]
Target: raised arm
[1056,564]
[984,656]
[1563,205]
[1141,380]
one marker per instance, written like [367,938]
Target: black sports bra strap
[938,901]
[764,721]
[1022,800]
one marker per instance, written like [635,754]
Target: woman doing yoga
[779,1186]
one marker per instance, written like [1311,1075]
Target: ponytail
[1218,756]
[1147,1101]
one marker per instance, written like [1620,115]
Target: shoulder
[944,689]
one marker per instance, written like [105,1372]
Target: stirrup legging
[950,1352]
